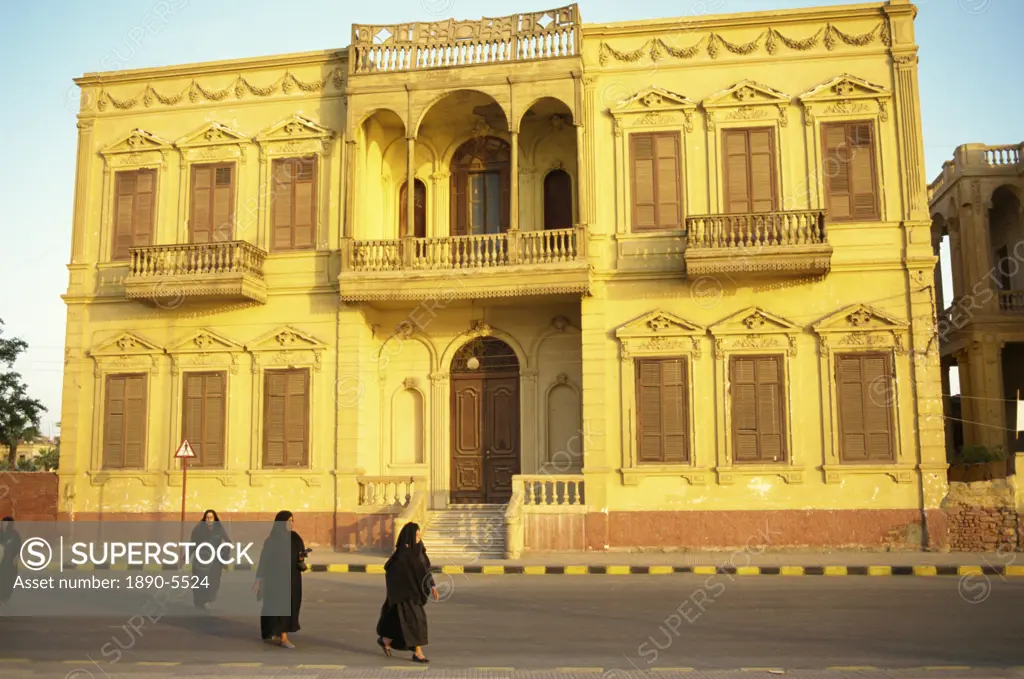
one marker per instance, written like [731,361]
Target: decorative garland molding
[771,39]
[197,93]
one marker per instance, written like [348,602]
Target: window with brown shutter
[134,211]
[864,403]
[286,418]
[124,422]
[656,173]
[203,417]
[212,215]
[749,170]
[758,396]
[851,187]
[662,411]
[293,213]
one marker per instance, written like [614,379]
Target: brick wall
[982,516]
[29,496]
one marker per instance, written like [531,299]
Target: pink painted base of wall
[708,530]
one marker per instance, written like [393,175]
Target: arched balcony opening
[1006,234]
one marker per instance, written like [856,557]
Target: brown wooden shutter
[113,423]
[283,206]
[134,210]
[460,210]
[736,175]
[212,213]
[305,203]
[286,418]
[203,420]
[862,172]
[645,206]
[758,413]
[656,181]
[851,187]
[124,421]
[667,185]
[863,390]
[749,170]
[504,179]
[661,406]
[762,170]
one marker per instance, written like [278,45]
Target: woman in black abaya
[208,531]
[403,620]
[279,580]
[10,547]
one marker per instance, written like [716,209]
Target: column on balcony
[410,201]
[514,182]
[581,213]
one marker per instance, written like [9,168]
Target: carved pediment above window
[660,332]
[754,328]
[126,352]
[654,106]
[861,325]
[213,141]
[747,100]
[286,346]
[126,344]
[205,349]
[294,136]
[138,148]
[846,95]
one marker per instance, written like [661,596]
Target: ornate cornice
[196,93]
[771,40]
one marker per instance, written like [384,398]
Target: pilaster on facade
[598,432]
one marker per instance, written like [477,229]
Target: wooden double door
[485,437]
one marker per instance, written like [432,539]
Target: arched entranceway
[485,448]
[419,210]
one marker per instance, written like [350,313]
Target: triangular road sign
[185,450]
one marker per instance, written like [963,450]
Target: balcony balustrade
[494,265]
[1011,301]
[166,274]
[979,160]
[444,44]
[758,244]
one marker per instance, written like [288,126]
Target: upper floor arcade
[977,202]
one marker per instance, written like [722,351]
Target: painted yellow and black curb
[692,570]
[1009,571]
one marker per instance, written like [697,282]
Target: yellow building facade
[661,284]
[976,202]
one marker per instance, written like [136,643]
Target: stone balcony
[978,160]
[167,274]
[510,264]
[419,46]
[768,244]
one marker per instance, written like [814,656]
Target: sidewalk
[743,562]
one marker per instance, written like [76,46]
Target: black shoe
[387,649]
[420,660]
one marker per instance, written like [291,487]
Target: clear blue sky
[965,45]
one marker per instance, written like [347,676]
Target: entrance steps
[465,532]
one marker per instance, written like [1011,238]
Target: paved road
[614,623]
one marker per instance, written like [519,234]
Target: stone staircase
[465,533]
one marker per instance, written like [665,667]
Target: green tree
[49,459]
[19,413]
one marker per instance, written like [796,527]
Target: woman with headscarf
[403,620]
[279,580]
[208,531]
[10,547]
